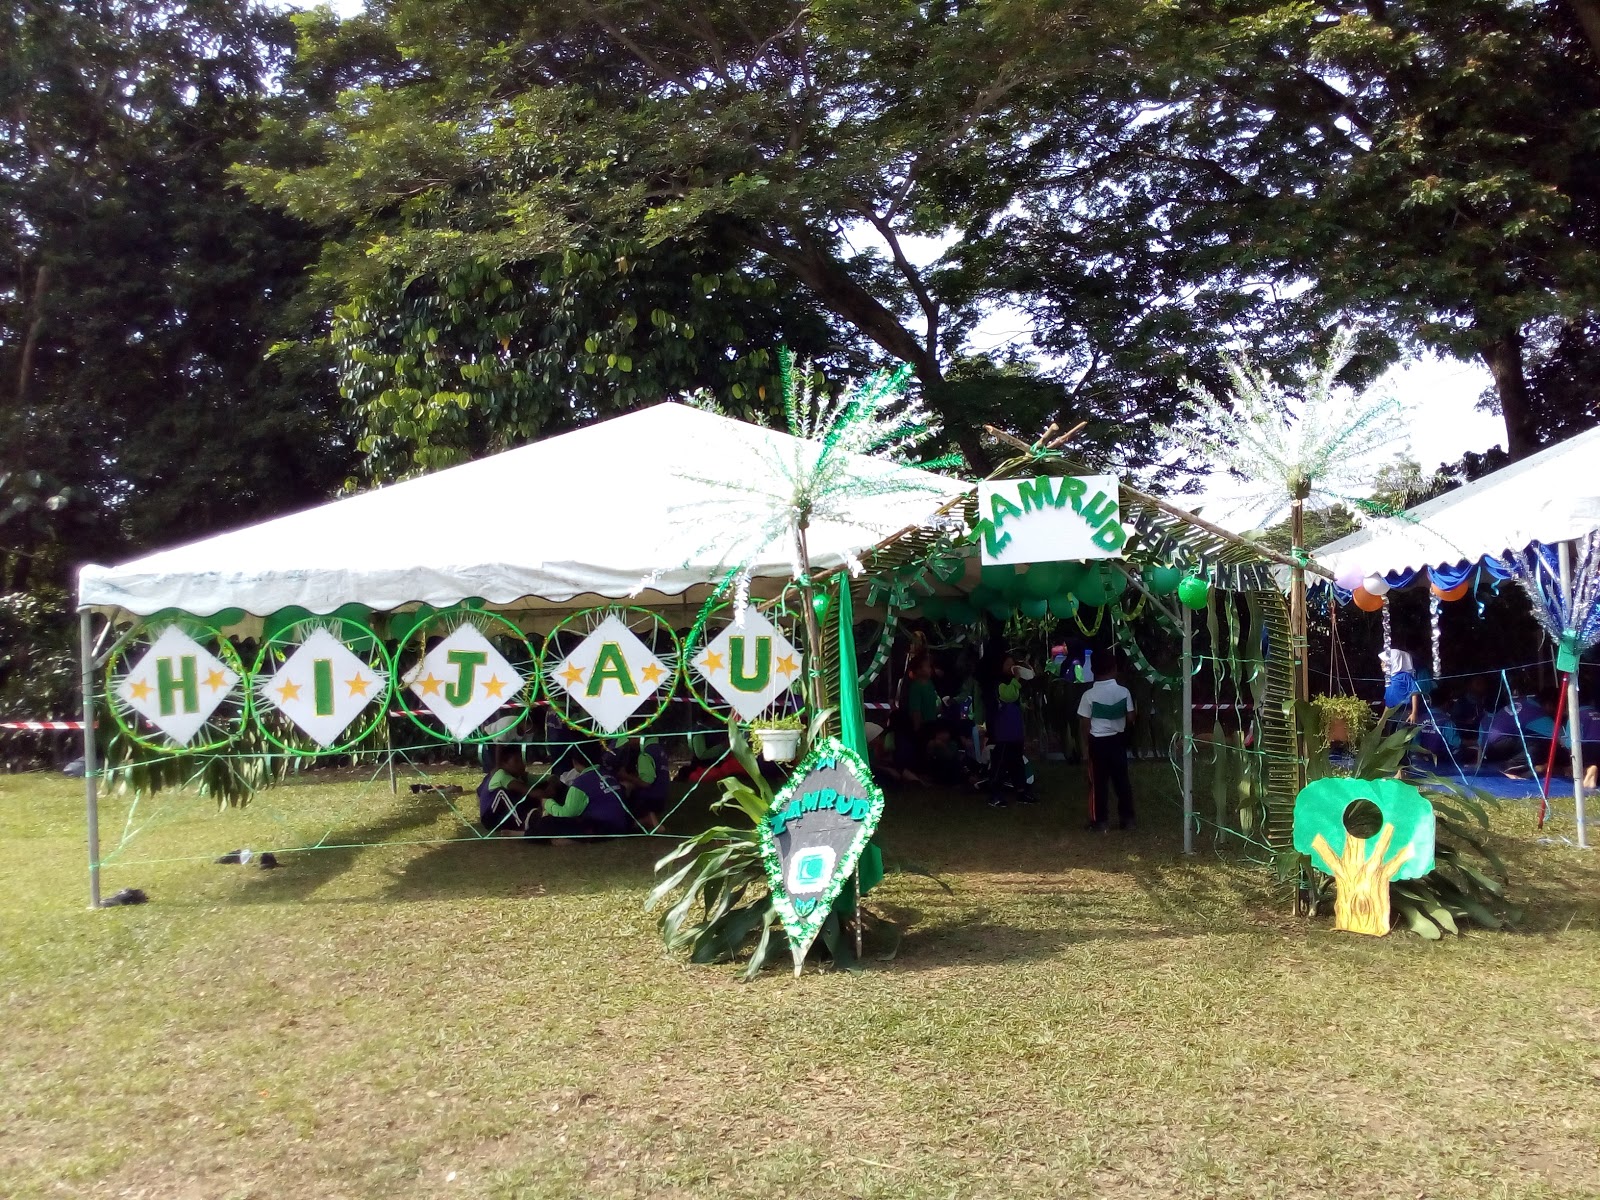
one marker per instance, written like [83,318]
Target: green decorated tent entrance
[1194,610]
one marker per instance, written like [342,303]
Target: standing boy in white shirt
[1104,713]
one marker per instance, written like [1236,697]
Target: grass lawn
[1080,1015]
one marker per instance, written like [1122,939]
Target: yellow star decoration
[786,665]
[359,685]
[289,691]
[573,675]
[428,685]
[713,662]
[494,686]
[140,690]
[216,680]
[651,674]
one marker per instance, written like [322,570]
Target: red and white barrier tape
[41,726]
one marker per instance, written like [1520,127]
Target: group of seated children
[624,792]
[1466,728]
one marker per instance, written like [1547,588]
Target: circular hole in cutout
[1362,819]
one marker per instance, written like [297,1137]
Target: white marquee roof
[590,513]
[1548,497]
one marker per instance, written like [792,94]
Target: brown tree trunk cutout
[1361,899]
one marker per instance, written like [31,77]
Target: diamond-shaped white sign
[749,664]
[463,680]
[176,685]
[611,673]
[322,687]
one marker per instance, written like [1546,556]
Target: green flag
[853,728]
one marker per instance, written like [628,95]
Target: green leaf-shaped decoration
[811,840]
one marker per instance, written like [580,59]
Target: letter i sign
[322,687]
[176,685]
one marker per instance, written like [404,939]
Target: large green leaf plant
[714,897]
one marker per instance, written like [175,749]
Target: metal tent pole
[1574,725]
[1188,730]
[91,764]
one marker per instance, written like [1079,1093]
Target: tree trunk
[1502,354]
[1588,14]
[841,295]
[30,341]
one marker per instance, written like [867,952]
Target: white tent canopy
[1550,497]
[668,494]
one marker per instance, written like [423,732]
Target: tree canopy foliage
[254,256]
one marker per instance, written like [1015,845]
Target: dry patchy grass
[1079,1015]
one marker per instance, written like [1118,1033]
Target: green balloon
[1115,580]
[819,604]
[1062,606]
[1042,581]
[932,607]
[1162,581]
[1003,580]
[1002,607]
[1034,607]
[279,621]
[1193,592]
[1071,573]
[961,612]
[982,596]
[1091,590]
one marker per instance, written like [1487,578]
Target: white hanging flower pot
[778,745]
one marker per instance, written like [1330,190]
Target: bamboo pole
[1188,730]
[1298,638]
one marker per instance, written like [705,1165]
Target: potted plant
[778,737]
[1344,719]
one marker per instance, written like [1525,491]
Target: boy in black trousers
[1104,713]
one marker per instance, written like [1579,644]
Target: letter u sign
[757,677]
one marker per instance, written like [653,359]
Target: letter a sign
[176,685]
[749,664]
[610,674]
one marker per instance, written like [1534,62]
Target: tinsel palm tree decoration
[1313,442]
[820,476]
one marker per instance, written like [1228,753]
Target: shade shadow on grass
[509,868]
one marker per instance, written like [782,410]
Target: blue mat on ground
[1507,788]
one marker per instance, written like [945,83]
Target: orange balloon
[1454,593]
[1366,601]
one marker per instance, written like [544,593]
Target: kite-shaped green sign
[1373,847]
[820,822]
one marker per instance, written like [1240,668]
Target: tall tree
[141,289]
[820,140]
[1430,165]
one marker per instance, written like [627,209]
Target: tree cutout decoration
[814,834]
[1366,819]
